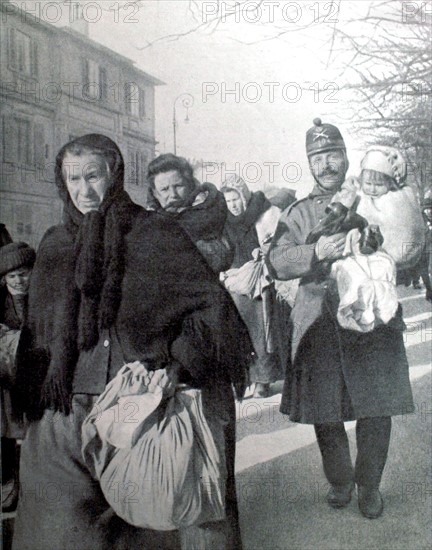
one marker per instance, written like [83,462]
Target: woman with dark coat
[111,285]
[200,209]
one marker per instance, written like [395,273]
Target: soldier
[336,375]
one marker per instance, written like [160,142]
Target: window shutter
[10,139]
[23,217]
[34,59]
[128,92]
[103,85]
[142,109]
[144,164]
[85,72]
[130,168]
[24,142]
[138,168]
[12,50]
[39,144]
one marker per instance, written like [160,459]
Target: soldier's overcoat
[333,374]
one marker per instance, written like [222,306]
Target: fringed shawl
[133,269]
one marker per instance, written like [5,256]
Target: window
[24,142]
[137,167]
[23,53]
[134,100]
[24,229]
[95,85]
[23,220]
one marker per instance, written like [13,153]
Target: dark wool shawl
[241,231]
[122,267]
[64,319]
[76,283]
[12,308]
[202,221]
[171,307]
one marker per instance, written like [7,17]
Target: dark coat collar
[205,216]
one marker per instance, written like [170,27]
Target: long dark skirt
[62,506]
[341,375]
[267,367]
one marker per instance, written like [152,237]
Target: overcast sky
[261,129]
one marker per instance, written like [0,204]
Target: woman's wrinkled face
[87,178]
[234,203]
[170,190]
[18,280]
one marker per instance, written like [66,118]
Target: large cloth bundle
[366,285]
[251,279]
[159,464]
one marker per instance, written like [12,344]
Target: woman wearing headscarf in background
[114,284]
[250,226]
[16,262]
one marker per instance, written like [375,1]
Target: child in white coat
[366,281]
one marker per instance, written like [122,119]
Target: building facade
[57,84]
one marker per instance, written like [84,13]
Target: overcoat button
[106,343]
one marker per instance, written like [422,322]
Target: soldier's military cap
[323,137]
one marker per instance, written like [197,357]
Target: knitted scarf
[204,213]
[84,261]
[75,292]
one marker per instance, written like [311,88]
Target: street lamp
[187,100]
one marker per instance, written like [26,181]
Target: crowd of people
[191,289]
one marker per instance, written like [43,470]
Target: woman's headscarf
[88,275]
[236,183]
[98,238]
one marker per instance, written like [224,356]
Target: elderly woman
[199,208]
[250,227]
[111,285]
[16,262]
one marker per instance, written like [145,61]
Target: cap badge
[321,134]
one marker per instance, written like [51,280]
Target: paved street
[282,487]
